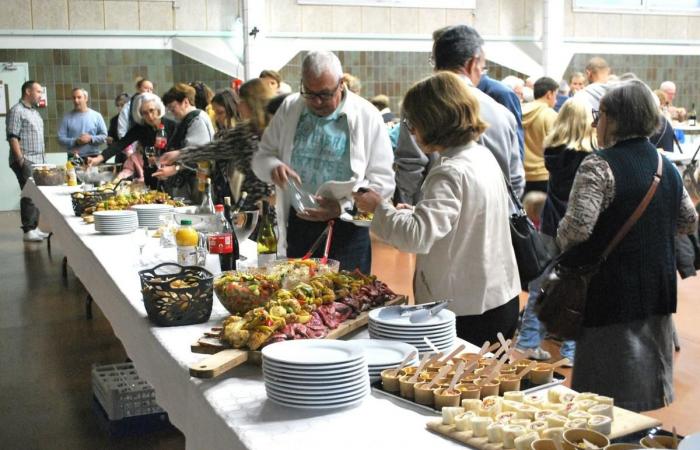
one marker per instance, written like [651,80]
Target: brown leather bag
[561,303]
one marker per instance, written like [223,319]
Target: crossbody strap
[637,212]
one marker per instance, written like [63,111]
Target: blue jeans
[531,329]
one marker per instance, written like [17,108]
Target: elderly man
[82,130]
[333,142]
[459,49]
[25,133]
[669,88]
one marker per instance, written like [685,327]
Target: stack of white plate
[149,214]
[116,222]
[439,329]
[315,373]
[381,354]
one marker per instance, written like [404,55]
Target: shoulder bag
[561,303]
[530,252]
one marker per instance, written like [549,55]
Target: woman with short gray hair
[626,348]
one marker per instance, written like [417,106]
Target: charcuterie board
[224,358]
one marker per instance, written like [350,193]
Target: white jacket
[371,157]
[460,233]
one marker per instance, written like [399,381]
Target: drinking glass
[151,155]
[141,238]
[244,223]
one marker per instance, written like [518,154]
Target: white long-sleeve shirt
[371,157]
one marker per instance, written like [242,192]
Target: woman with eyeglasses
[148,114]
[571,139]
[625,350]
[233,146]
[459,230]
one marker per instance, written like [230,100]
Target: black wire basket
[87,199]
[177,295]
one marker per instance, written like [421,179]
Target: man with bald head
[669,88]
[82,130]
[332,142]
[598,74]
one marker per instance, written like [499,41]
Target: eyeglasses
[596,116]
[322,96]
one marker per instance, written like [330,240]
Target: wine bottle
[228,262]
[207,205]
[267,238]
[692,117]
[240,202]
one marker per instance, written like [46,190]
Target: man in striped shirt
[25,133]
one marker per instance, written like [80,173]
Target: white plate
[383,352]
[313,352]
[306,406]
[416,333]
[413,329]
[315,368]
[444,316]
[374,334]
[691,442]
[347,217]
[329,379]
[306,371]
[116,232]
[304,399]
[117,213]
[321,392]
[147,207]
[410,338]
[284,384]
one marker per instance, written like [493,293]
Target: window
[451,4]
[638,6]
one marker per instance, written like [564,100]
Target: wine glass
[244,223]
[141,238]
[151,154]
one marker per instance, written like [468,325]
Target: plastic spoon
[527,368]
[405,361]
[494,346]
[561,362]
[458,376]
[453,353]
[501,339]
[504,347]
[430,344]
[484,349]
[426,358]
[440,375]
[492,374]
[470,368]
[675,438]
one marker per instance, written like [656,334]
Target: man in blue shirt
[82,130]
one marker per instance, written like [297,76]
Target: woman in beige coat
[460,229]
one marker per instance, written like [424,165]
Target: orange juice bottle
[186,239]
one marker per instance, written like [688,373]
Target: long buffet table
[229,412]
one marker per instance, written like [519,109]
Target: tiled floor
[48,347]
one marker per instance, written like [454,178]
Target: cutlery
[431,345]
[675,438]
[399,310]
[458,376]
[425,314]
[453,353]
[426,358]
[329,238]
[527,368]
[316,243]
[440,375]
[405,361]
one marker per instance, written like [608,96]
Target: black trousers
[350,244]
[479,328]
[535,186]
[29,213]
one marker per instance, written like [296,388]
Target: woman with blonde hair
[459,230]
[233,149]
[571,139]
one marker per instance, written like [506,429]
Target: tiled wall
[389,73]
[653,69]
[104,74]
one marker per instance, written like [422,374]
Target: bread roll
[525,441]
[555,421]
[516,396]
[471,404]
[601,424]
[480,426]
[449,413]
[510,432]
[463,421]
[554,433]
[601,409]
[494,432]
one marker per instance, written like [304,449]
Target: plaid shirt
[25,123]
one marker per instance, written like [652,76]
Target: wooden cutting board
[223,358]
[624,423]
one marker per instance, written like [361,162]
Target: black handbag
[530,252]
[561,303]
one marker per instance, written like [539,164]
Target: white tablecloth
[229,412]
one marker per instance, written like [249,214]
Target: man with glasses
[332,142]
[459,50]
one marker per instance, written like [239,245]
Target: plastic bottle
[220,241]
[161,141]
[186,239]
[71,177]
[267,238]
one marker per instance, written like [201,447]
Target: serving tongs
[396,311]
[318,241]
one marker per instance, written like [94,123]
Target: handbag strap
[637,212]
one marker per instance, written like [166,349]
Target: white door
[12,75]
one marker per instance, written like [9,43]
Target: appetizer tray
[527,388]
[224,358]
